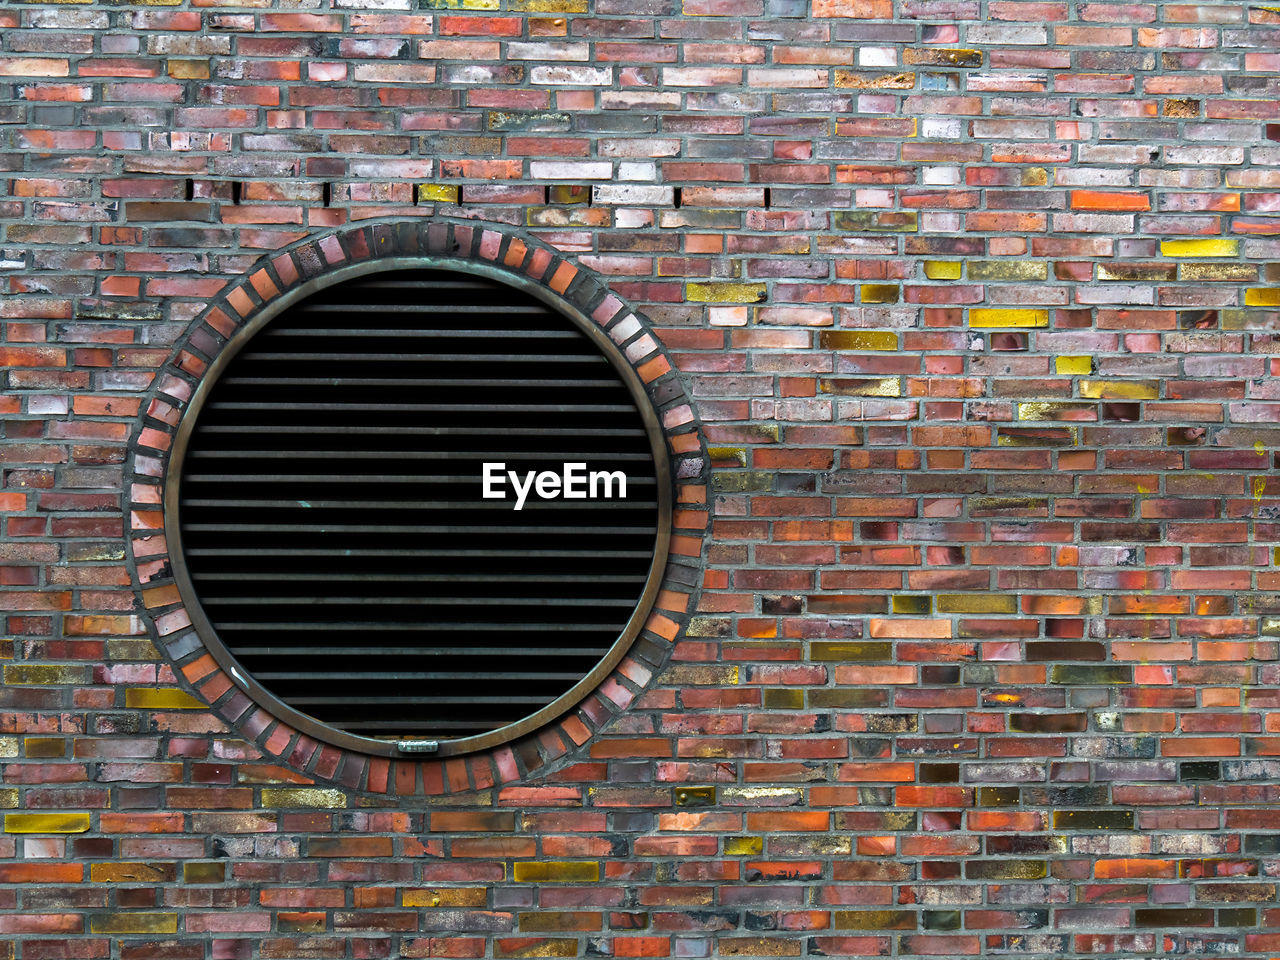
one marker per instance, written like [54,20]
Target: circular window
[419,510]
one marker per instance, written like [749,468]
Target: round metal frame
[446,747]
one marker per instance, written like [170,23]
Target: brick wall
[977,308]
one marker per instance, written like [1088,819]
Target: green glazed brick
[41,673]
[1006,869]
[1173,917]
[1093,820]
[822,650]
[742,481]
[999,796]
[874,919]
[1007,270]
[1101,675]
[910,603]
[1048,722]
[547,6]
[977,603]
[1243,916]
[845,699]
[206,871]
[125,922]
[781,698]
[556,921]
[941,920]
[875,221]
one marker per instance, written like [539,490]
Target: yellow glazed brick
[125,922]
[46,822]
[162,698]
[438,192]
[557,871]
[446,897]
[44,747]
[1007,317]
[1200,248]
[1120,389]
[725,292]
[1073,366]
[743,846]
[547,6]
[1262,297]
[863,387]
[911,603]
[301,797]
[1222,272]
[880,293]
[977,603]
[857,340]
[130,872]
[188,69]
[737,454]
[1053,410]
[942,269]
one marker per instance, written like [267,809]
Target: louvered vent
[332,519]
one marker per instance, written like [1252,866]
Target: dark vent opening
[331,518]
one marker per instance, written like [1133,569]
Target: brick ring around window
[529,280]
